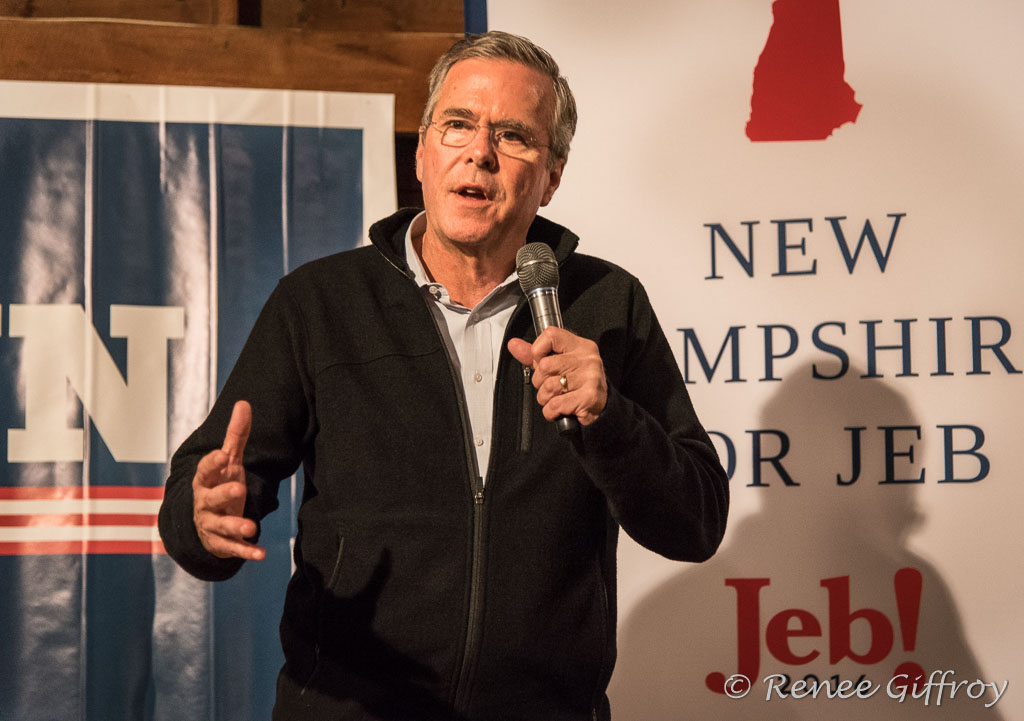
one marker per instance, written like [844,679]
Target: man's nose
[482,148]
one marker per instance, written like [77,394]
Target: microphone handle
[546,312]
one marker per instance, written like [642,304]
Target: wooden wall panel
[443,16]
[182,11]
[222,55]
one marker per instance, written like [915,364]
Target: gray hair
[498,45]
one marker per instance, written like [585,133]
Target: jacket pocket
[336,570]
[329,585]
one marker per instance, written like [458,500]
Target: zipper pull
[478,497]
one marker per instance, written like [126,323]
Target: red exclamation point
[908,604]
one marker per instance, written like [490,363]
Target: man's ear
[419,156]
[554,179]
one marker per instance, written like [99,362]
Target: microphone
[538,276]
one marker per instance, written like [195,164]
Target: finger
[229,548]
[544,344]
[553,366]
[548,386]
[551,340]
[238,431]
[553,410]
[584,396]
[225,535]
[582,407]
[555,340]
[547,377]
[571,403]
[521,351]
[232,528]
[209,471]
[224,498]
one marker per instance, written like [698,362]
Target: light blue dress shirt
[473,337]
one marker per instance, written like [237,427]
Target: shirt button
[479,441]
[477,377]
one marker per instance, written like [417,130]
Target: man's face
[475,196]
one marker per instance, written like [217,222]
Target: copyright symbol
[737,686]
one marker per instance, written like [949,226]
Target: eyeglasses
[511,141]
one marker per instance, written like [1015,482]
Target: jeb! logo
[907,584]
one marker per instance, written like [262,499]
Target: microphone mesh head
[536,267]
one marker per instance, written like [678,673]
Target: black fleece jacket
[418,595]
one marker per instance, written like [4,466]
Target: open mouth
[474,192]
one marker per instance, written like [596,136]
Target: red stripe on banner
[60,493]
[79,519]
[42,519]
[122,519]
[135,547]
[54,548]
[154,493]
[78,496]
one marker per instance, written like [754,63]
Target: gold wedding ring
[564,382]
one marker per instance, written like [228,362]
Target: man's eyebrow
[506,124]
[515,125]
[465,113]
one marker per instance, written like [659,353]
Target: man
[455,557]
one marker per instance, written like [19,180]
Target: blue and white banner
[142,227]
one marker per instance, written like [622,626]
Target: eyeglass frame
[444,126]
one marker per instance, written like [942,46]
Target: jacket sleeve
[272,374]
[649,454]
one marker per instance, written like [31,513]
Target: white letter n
[61,345]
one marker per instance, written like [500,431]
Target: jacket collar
[388,236]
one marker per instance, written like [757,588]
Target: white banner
[822,200]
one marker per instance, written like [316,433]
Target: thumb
[521,351]
[238,432]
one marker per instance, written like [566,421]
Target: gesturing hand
[558,354]
[218,490]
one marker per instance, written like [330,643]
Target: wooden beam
[226,56]
[224,12]
[182,11]
[445,16]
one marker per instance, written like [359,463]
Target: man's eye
[457,125]
[511,137]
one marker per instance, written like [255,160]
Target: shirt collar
[418,226]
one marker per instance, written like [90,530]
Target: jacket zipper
[605,621]
[526,426]
[476,594]
[475,614]
[476,578]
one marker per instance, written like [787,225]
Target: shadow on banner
[814,586]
